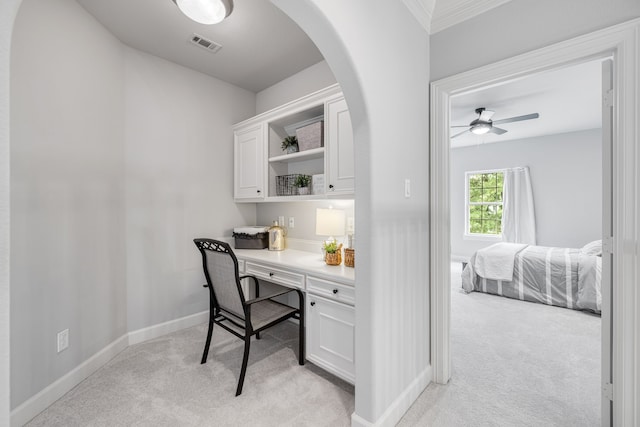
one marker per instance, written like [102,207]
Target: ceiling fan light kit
[483,124]
[480,128]
[206,12]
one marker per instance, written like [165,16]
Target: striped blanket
[562,277]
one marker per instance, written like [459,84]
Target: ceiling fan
[483,124]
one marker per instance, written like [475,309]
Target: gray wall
[566,175]
[520,26]
[304,214]
[119,159]
[67,201]
[179,182]
[309,80]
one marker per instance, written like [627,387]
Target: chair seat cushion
[267,311]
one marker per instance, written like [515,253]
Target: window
[484,203]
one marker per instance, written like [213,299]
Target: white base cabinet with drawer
[331,333]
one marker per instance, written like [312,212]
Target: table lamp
[330,222]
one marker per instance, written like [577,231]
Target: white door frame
[622,42]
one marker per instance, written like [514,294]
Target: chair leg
[206,346]
[245,359]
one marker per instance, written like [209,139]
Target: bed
[564,277]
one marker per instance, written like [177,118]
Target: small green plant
[330,247]
[302,181]
[290,141]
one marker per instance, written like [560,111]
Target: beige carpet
[515,364]
[162,383]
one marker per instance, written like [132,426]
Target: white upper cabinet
[266,172]
[339,170]
[249,162]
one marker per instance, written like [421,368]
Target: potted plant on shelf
[302,182]
[290,144]
[333,252]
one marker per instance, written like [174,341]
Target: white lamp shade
[330,222]
[205,11]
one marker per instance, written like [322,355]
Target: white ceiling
[568,99]
[261,45]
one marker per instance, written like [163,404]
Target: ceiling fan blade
[497,131]
[458,134]
[486,115]
[460,126]
[517,119]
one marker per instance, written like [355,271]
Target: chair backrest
[221,271]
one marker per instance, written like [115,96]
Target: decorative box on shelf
[317,184]
[311,136]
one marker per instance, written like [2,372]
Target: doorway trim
[622,42]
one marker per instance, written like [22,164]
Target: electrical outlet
[292,222]
[63,340]
[407,188]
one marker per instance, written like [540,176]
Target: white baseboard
[400,405]
[41,401]
[155,331]
[38,403]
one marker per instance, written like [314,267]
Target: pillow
[593,248]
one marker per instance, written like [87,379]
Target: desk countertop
[300,261]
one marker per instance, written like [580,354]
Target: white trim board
[622,42]
[448,13]
[42,400]
[155,331]
[422,10]
[400,405]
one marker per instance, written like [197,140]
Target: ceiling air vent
[205,44]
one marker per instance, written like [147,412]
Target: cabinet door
[331,336]
[339,148]
[249,163]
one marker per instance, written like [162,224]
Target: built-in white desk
[329,300]
[302,262]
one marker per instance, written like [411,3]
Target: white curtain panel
[518,217]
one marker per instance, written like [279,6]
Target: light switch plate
[63,340]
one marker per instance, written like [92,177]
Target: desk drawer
[275,275]
[331,290]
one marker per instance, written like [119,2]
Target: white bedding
[496,261]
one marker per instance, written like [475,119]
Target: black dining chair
[229,308]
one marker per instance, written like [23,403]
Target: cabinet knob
[259,191]
[313,303]
[331,186]
[335,291]
[270,274]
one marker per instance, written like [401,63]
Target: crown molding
[422,10]
[451,12]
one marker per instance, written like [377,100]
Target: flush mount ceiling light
[205,11]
